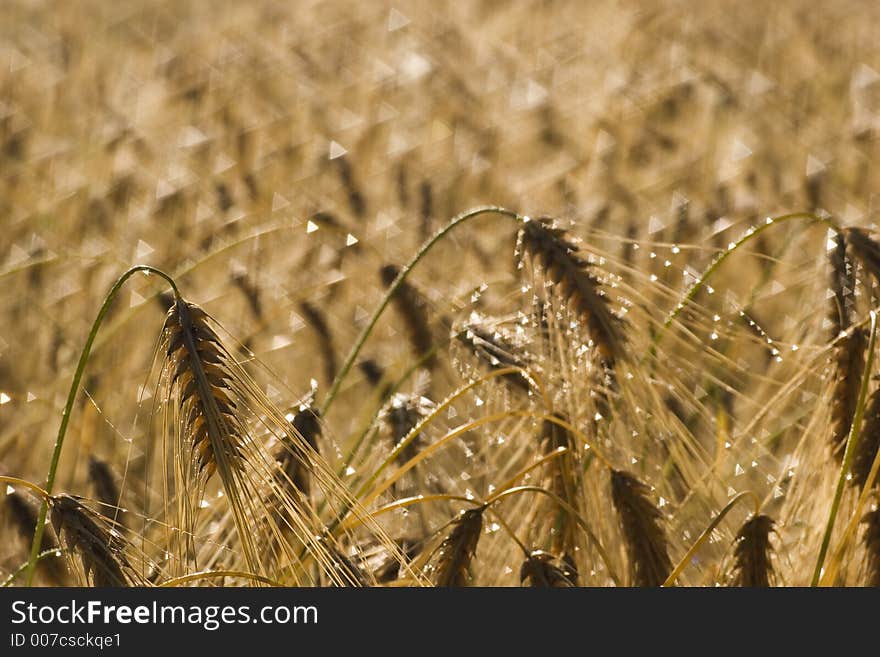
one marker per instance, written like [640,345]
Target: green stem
[51,552]
[851,440]
[392,290]
[751,234]
[71,398]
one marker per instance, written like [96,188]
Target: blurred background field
[274,156]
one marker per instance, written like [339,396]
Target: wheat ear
[539,570]
[752,554]
[99,546]
[643,534]
[458,549]
[562,263]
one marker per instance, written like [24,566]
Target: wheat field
[439,294]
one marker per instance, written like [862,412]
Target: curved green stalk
[71,398]
[45,554]
[392,289]
[867,490]
[855,430]
[750,234]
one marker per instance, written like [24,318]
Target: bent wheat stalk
[752,233]
[71,398]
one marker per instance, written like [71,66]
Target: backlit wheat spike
[643,534]
[492,348]
[211,429]
[849,361]
[539,570]
[865,250]
[752,553]
[200,372]
[100,548]
[559,256]
[458,549]
[842,288]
